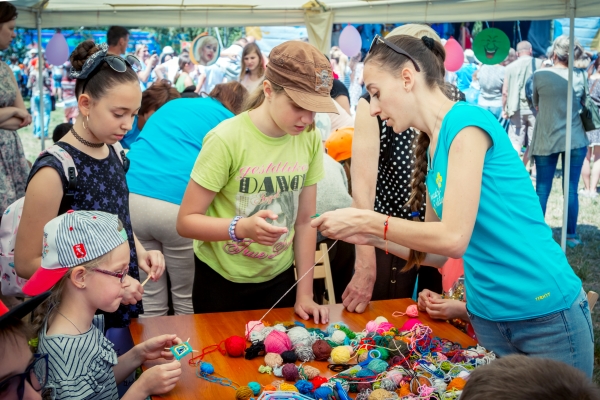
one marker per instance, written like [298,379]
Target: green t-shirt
[251,172]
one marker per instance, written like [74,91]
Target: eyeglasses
[118,64]
[378,39]
[36,374]
[121,275]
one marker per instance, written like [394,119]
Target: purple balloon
[57,50]
[350,41]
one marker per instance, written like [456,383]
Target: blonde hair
[415,30]
[257,97]
[560,49]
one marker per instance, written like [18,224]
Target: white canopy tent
[317,15]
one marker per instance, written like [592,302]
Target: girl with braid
[480,206]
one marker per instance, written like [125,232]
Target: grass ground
[585,259]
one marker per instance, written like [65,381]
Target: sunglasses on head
[118,64]
[378,39]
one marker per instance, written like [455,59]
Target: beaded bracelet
[232,229]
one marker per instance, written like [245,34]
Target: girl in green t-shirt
[252,193]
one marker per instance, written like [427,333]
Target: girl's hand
[132,291]
[341,224]
[424,297]
[447,309]
[154,348]
[305,306]
[152,262]
[258,229]
[159,379]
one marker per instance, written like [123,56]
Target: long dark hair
[430,59]
[8,12]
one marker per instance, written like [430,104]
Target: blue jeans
[497,111]
[546,166]
[35,112]
[565,336]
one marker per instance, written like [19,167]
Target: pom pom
[235,346]
[286,387]
[309,372]
[278,371]
[244,393]
[304,387]
[253,326]
[299,335]
[304,353]
[318,381]
[289,357]
[207,368]
[340,355]
[323,393]
[322,350]
[290,372]
[265,370]
[456,383]
[408,325]
[269,388]
[255,387]
[277,342]
[273,360]
[378,366]
[381,394]
[338,337]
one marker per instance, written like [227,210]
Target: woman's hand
[305,306]
[154,348]
[343,223]
[258,229]
[152,262]
[424,297]
[132,291]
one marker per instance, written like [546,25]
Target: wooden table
[206,329]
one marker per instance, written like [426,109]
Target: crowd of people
[228,168]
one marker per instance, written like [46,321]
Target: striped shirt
[80,366]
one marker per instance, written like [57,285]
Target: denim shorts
[566,336]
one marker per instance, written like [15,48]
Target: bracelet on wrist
[232,229]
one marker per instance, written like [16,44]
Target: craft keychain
[181,350]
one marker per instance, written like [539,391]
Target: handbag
[590,118]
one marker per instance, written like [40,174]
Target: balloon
[454,55]
[57,50]
[350,41]
[491,46]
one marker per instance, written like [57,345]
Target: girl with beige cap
[253,190]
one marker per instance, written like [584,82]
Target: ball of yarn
[366,373]
[304,387]
[416,383]
[408,325]
[322,393]
[269,388]
[404,390]
[289,357]
[322,350]
[382,394]
[364,395]
[310,372]
[277,342]
[380,319]
[384,327]
[243,393]
[362,355]
[235,346]
[456,383]
[372,326]
[287,387]
[338,337]
[395,376]
[255,387]
[388,384]
[344,383]
[363,386]
[340,355]
[412,311]
[336,326]
[299,335]
[378,366]
[278,371]
[273,360]
[318,381]
[304,353]
[397,347]
[290,372]
[253,326]
[207,368]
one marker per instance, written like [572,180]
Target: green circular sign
[491,46]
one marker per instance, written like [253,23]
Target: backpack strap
[68,166]
[121,153]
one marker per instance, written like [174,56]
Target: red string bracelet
[385,229]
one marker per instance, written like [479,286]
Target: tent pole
[41,61]
[567,158]
[219,38]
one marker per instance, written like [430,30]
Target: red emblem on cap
[79,250]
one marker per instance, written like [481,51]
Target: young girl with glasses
[109,98]
[480,206]
[85,260]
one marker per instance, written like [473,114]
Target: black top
[339,89]
[101,185]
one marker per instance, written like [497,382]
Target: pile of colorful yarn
[379,363]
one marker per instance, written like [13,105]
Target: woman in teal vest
[523,295]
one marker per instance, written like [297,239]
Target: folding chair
[322,270]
